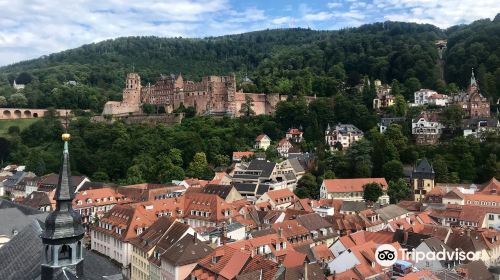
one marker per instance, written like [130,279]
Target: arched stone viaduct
[25,113]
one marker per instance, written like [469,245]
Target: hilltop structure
[472,101]
[213,95]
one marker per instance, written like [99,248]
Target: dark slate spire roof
[423,170]
[64,224]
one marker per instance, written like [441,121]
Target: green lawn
[22,123]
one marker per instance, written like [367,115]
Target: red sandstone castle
[214,95]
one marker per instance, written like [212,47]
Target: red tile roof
[294,259]
[260,137]
[98,197]
[493,186]
[240,155]
[281,194]
[294,131]
[225,261]
[351,185]
[126,218]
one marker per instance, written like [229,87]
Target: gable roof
[351,185]
[188,250]
[261,137]
[313,221]
[151,236]
[221,190]
[280,194]
[391,211]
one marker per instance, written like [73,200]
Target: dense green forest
[144,153]
[289,61]
[299,62]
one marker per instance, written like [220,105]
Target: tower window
[65,253]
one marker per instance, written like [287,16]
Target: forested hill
[282,60]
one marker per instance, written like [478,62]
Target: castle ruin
[213,95]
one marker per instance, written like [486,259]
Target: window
[491,217]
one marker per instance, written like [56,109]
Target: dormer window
[79,202]
[89,200]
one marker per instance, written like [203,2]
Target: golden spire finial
[66,136]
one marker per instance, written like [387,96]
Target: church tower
[422,179]
[62,237]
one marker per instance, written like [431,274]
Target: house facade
[426,129]
[342,136]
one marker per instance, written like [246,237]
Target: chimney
[468,232]
[305,270]
[195,237]
[280,231]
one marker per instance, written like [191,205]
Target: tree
[148,108]
[18,100]
[467,171]
[100,176]
[14,129]
[4,149]
[221,160]
[198,168]
[329,174]
[451,117]
[3,101]
[441,169]
[491,168]
[173,172]
[400,107]
[36,163]
[398,190]
[372,192]
[175,156]
[272,153]
[247,107]
[307,187]
[393,170]
[134,175]
[412,85]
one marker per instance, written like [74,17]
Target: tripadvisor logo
[387,255]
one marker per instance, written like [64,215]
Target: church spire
[473,79]
[63,227]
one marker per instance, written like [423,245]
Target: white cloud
[321,16]
[282,20]
[333,5]
[442,13]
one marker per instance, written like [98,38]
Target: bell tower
[62,237]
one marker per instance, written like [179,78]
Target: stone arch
[7,114]
[17,114]
[27,114]
[35,115]
[64,252]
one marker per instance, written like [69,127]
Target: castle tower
[132,91]
[231,94]
[62,237]
[422,179]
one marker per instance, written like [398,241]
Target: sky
[32,28]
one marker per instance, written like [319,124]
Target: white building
[437,99]
[422,97]
[343,134]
